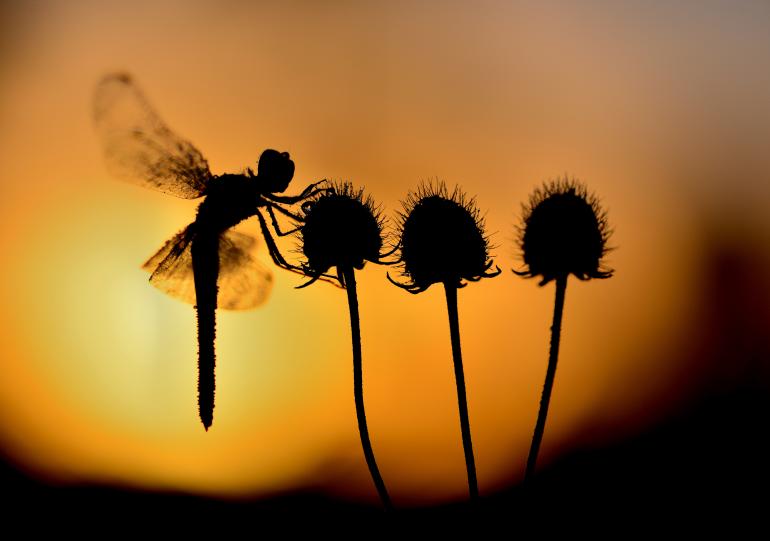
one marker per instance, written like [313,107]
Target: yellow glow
[99,367]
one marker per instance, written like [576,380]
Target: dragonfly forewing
[139,147]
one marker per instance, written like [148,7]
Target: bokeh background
[663,109]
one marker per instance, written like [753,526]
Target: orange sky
[664,111]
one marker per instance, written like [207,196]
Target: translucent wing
[243,282]
[139,147]
[171,267]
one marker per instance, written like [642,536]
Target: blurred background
[662,109]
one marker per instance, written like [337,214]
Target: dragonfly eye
[275,170]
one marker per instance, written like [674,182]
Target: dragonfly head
[275,170]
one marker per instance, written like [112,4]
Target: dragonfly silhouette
[206,264]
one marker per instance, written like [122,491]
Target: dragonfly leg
[310,188]
[276,226]
[310,191]
[272,248]
[277,257]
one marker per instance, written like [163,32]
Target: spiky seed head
[564,232]
[342,227]
[442,239]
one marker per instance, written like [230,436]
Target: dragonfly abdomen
[205,262]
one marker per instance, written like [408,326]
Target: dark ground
[706,467]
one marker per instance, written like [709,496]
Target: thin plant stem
[457,357]
[358,387]
[553,357]
[205,259]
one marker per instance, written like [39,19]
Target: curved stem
[205,259]
[358,387]
[465,427]
[553,357]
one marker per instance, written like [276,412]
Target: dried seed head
[564,232]
[341,228]
[442,239]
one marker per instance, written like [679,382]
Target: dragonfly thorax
[229,200]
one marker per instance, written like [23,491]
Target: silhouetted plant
[442,241]
[342,228]
[564,232]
